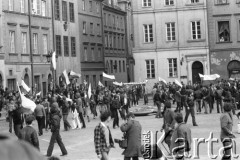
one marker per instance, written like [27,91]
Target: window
[57,10]
[120,66]
[45,44]
[150,68]
[94,81]
[105,19]
[37,83]
[73,46]
[121,23]
[196,30]
[98,7]
[123,43]
[91,28]
[148,33]
[35,43]
[87,78]
[12,41]
[71,10]
[65,44]
[43,7]
[222,2]
[117,23]
[85,53]
[22,6]
[147,3]
[90,6]
[111,66]
[84,28]
[83,5]
[223,31]
[109,20]
[171,31]
[99,54]
[110,2]
[36,7]
[24,42]
[106,41]
[114,21]
[11,84]
[58,45]
[110,41]
[169,2]
[10,5]
[172,67]
[194,1]
[98,29]
[92,52]
[115,66]
[114,42]
[64,10]
[124,66]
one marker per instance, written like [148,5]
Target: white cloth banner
[100,84]
[26,103]
[117,84]
[66,77]
[108,76]
[75,74]
[25,86]
[67,99]
[89,91]
[162,80]
[209,77]
[54,62]
[38,94]
[178,83]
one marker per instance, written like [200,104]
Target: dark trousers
[124,112]
[227,151]
[47,122]
[82,120]
[67,126]
[56,137]
[198,101]
[17,129]
[190,111]
[129,158]
[93,109]
[10,121]
[41,125]
[219,104]
[116,119]
[211,101]
[145,99]
[178,109]
[159,114]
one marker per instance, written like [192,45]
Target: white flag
[100,84]
[89,90]
[54,62]
[108,76]
[162,80]
[38,94]
[25,86]
[66,77]
[75,74]
[67,99]
[200,75]
[26,103]
[178,83]
[117,84]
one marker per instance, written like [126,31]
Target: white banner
[178,83]
[89,91]
[162,80]
[54,62]
[117,84]
[25,86]
[66,77]
[100,84]
[75,74]
[108,76]
[209,77]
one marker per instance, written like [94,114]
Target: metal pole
[30,40]
[54,73]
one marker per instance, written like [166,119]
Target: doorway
[197,67]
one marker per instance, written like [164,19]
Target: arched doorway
[26,79]
[197,67]
[234,69]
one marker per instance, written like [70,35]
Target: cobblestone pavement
[80,146]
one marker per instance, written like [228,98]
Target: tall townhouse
[16,45]
[66,38]
[115,46]
[2,70]
[91,40]
[126,5]
[171,40]
[224,37]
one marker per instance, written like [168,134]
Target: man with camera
[132,130]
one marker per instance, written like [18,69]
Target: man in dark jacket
[28,133]
[40,117]
[80,109]
[115,105]
[55,129]
[133,130]
[65,111]
[17,116]
[157,100]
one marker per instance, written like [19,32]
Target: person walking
[133,130]
[115,105]
[190,108]
[125,102]
[17,117]
[226,135]
[75,117]
[218,97]
[65,112]
[40,117]
[103,140]
[80,109]
[28,133]
[55,129]
[157,101]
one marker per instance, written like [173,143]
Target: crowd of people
[105,102]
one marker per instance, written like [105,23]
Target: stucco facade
[173,45]
[224,48]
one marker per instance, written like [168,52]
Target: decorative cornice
[12,24]
[93,44]
[35,27]
[221,15]
[24,25]
[45,28]
[85,43]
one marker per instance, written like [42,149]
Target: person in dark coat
[178,99]
[226,135]
[55,129]
[28,133]
[157,100]
[198,98]
[181,138]
[80,109]
[190,108]
[168,123]
[218,97]
[125,104]
[65,111]
[40,117]
[133,131]
[17,116]
[115,105]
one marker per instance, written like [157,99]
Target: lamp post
[49,60]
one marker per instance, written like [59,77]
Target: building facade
[16,45]
[66,37]
[91,40]
[115,44]
[126,5]
[171,40]
[2,65]
[224,37]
